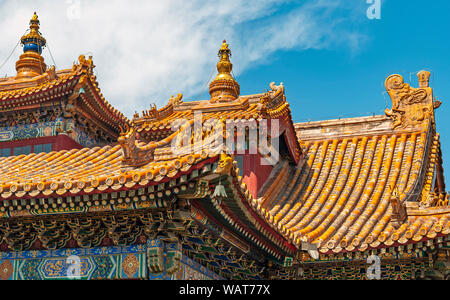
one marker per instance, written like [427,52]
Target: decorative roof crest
[411,107]
[134,154]
[85,65]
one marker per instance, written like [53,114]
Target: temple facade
[224,188]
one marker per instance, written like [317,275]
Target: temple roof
[156,124]
[88,172]
[340,197]
[365,183]
[82,171]
[35,86]
[32,93]
[348,185]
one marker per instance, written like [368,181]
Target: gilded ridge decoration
[137,153]
[273,102]
[225,164]
[155,114]
[134,154]
[412,107]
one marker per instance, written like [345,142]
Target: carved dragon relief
[137,153]
[133,154]
[411,106]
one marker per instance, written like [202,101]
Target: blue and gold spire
[31,63]
[33,40]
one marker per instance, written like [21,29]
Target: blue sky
[331,58]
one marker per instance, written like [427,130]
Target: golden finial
[34,28]
[224,67]
[31,63]
[34,22]
[224,50]
[224,87]
[34,36]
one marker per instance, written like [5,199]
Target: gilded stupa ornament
[31,63]
[224,88]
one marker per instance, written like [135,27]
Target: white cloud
[146,51]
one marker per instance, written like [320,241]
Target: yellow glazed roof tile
[76,170]
[339,197]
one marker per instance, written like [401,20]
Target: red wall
[60,142]
[63,142]
[255,174]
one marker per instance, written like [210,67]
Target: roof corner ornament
[225,164]
[274,94]
[277,88]
[134,155]
[155,114]
[176,101]
[224,168]
[399,214]
[273,98]
[411,107]
[434,199]
[152,113]
[51,73]
[86,66]
[86,63]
